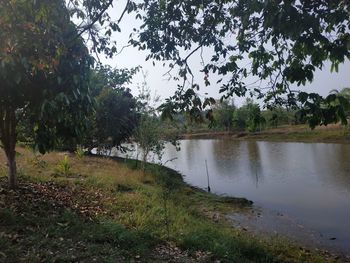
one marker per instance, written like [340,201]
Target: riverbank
[97,209]
[292,133]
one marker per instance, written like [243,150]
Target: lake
[306,184]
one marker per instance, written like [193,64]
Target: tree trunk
[8,138]
[144,160]
[12,169]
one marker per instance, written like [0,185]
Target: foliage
[345,92]
[223,114]
[105,77]
[249,117]
[278,43]
[285,42]
[44,70]
[115,118]
[233,33]
[64,167]
[254,120]
[115,115]
[96,23]
[240,117]
[148,136]
[149,133]
[79,152]
[318,110]
[280,116]
[344,95]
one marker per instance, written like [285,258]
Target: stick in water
[206,166]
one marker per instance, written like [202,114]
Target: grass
[302,133]
[63,236]
[110,211]
[333,133]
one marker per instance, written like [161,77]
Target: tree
[240,117]
[223,114]
[254,120]
[249,116]
[103,76]
[44,69]
[284,41]
[344,95]
[149,133]
[279,116]
[148,136]
[115,116]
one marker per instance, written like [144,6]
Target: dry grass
[98,171]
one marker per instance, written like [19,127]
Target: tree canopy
[44,67]
[115,116]
[277,44]
[284,41]
[223,114]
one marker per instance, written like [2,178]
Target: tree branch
[124,11]
[98,17]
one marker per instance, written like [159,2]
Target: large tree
[115,116]
[44,68]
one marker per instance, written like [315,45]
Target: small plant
[37,162]
[79,152]
[64,167]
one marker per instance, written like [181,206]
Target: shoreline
[107,201]
[300,133]
[248,220]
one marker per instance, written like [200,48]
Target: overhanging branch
[98,17]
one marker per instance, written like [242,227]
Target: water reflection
[255,162]
[240,158]
[308,181]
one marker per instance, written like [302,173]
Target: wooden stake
[206,166]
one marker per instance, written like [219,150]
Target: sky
[324,81]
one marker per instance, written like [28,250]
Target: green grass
[333,133]
[64,236]
[111,211]
[302,133]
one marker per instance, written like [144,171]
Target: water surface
[308,183]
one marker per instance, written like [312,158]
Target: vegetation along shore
[82,209]
[292,133]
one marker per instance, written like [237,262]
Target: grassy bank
[96,209]
[291,133]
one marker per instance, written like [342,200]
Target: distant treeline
[250,117]
[226,116]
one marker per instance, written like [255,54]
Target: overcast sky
[324,81]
